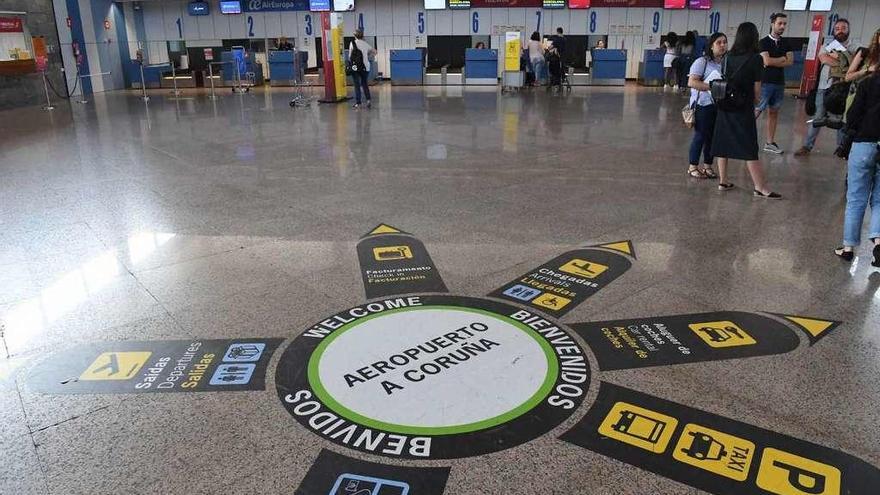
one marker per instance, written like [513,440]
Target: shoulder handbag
[726,94]
[689,112]
[355,59]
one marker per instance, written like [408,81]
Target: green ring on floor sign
[328,400]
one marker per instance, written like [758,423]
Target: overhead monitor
[795,5]
[459,4]
[198,8]
[343,5]
[674,4]
[319,5]
[578,4]
[435,4]
[230,6]
[700,4]
[821,5]
[554,4]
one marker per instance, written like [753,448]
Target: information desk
[480,66]
[651,68]
[407,67]
[283,66]
[17,67]
[794,72]
[609,67]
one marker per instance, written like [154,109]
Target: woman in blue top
[703,71]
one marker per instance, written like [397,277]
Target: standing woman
[359,54]
[536,56]
[863,170]
[669,58]
[704,70]
[736,133]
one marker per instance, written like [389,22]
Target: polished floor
[239,218]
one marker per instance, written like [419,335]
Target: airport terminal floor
[455,292]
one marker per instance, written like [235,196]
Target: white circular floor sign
[432,377]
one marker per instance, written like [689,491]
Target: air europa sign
[275,5]
[418,376]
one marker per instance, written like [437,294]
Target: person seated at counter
[282,45]
[480,45]
[600,45]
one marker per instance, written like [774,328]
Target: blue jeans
[813,132]
[862,183]
[538,66]
[772,96]
[360,81]
[704,127]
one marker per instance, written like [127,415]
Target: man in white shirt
[829,56]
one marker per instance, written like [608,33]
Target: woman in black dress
[736,133]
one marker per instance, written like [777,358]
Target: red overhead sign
[11,25]
[627,3]
[484,4]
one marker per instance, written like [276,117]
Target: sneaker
[356,105]
[675,88]
[773,148]
[369,104]
[804,151]
[769,195]
[876,261]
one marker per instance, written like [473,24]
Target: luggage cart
[300,98]
[512,81]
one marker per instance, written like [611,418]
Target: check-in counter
[651,68]
[152,74]
[185,79]
[282,66]
[407,67]
[794,72]
[609,67]
[481,66]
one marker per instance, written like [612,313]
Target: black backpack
[355,59]
[727,93]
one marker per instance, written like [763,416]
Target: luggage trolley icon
[355,484]
[639,426]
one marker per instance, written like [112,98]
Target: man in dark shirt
[777,56]
[559,42]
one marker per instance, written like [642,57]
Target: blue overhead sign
[275,5]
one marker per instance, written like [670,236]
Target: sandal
[844,254]
[695,173]
[722,186]
[709,173]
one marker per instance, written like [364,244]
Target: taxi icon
[704,447]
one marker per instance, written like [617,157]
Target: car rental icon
[722,334]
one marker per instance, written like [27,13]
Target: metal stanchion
[82,96]
[176,91]
[49,105]
[213,95]
[144,85]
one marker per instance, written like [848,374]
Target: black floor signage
[335,474]
[713,453]
[394,262]
[126,367]
[664,340]
[561,284]
[432,377]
